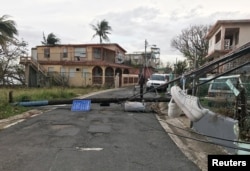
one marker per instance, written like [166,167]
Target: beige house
[226,36]
[77,65]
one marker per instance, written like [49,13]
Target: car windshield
[157,77]
[220,84]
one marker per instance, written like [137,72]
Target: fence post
[11,97]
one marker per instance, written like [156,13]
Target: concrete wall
[217,126]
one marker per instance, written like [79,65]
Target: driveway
[106,138]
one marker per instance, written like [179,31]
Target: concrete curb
[5,123]
[194,150]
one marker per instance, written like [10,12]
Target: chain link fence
[223,95]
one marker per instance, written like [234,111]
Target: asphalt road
[106,138]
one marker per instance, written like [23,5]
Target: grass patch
[34,94]
[10,110]
[221,108]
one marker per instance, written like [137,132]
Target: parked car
[156,81]
[224,88]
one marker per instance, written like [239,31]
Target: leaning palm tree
[51,39]
[102,29]
[7,29]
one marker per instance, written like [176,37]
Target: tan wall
[109,57]
[212,45]
[54,54]
[79,79]
[89,53]
[57,51]
[82,77]
[244,36]
[56,67]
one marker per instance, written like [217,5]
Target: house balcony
[73,58]
[219,49]
[224,41]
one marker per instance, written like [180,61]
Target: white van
[157,80]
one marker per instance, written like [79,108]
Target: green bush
[36,94]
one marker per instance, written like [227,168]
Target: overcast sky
[132,21]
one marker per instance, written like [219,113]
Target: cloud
[158,21]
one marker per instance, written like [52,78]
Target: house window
[85,73]
[63,72]
[46,52]
[80,52]
[97,53]
[65,53]
[72,73]
[218,37]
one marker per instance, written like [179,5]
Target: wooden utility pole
[142,73]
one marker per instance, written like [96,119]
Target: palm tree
[7,29]
[51,39]
[102,29]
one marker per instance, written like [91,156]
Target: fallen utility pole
[111,100]
[93,100]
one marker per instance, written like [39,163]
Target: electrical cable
[220,144]
[195,139]
[209,136]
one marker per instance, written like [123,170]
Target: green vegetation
[8,29]
[32,94]
[224,108]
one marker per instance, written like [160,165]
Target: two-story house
[75,65]
[225,36]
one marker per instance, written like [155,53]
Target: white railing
[25,60]
[129,79]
